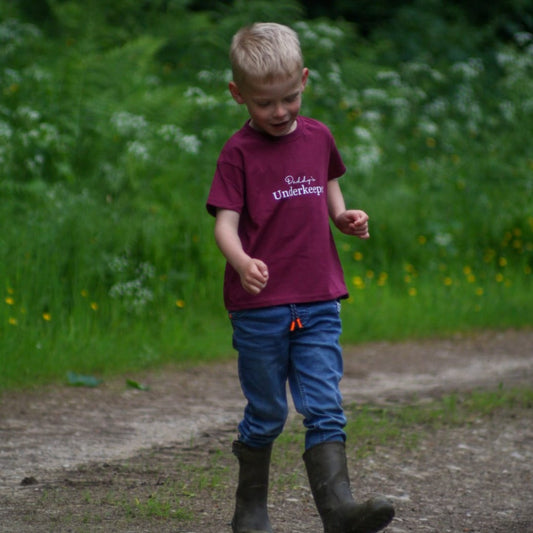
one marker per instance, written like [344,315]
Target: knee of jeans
[276,419]
[260,433]
[269,423]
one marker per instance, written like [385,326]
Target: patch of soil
[68,454]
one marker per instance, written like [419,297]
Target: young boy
[274,190]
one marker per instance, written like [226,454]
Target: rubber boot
[251,515]
[330,485]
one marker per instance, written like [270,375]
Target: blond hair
[265,51]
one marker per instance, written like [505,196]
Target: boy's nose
[279,111]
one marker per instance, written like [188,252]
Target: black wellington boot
[251,515]
[328,477]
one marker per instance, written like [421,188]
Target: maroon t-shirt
[279,187]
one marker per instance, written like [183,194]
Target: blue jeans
[294,343]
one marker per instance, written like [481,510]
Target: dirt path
[47,432]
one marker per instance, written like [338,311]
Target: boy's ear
[305,76]
[235,93]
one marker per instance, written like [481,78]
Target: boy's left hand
[353,222]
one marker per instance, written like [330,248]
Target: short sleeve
[227,189]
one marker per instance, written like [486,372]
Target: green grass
[108,143]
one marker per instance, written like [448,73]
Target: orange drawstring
[296,322]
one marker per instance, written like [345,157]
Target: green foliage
[109,133]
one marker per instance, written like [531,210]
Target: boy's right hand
[254,276]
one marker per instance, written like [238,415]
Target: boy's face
[273,106]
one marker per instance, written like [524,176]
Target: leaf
[79,380]
[136,385]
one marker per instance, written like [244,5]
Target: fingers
[255,277]
[359,224]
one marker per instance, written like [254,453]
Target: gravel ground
[67,455]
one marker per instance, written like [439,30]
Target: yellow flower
[94,306]
[358,256]
[412,291]
[12,89]
[448,281]
[358,282]
[12,321]
[47,317]
[502,261]
[499,277]
[489,255]
[382,279]
[180,304]
[84,293]
[479,291]
[10,301]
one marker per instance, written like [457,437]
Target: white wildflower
[375,95]
[138,150]
[390,76]
[469,69]
[443,239]
[6,131]
[523,37]
[128,124]
[362,133]
[372,117]
[505,58]
[507,110]
[170,133]
[428,127]
[199,97]
[367,157]
[326,44]
[437,107]
[334,75]
[28,113]
[330,30]
[190,144]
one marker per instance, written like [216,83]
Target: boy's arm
[253,272]
[352,221]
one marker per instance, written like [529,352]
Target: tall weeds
[108,141]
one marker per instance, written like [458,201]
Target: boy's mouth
[282,125]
